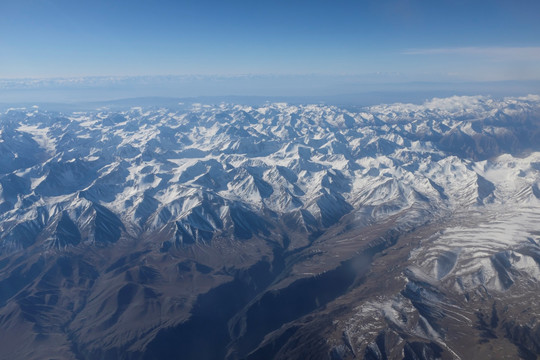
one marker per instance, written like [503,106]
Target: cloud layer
[530,53]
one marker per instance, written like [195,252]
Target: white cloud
[529,53]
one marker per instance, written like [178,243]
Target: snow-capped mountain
[276,231]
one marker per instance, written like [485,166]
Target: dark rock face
[64,233]
[519,135]
[526,338]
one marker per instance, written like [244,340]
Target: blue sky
[385,40]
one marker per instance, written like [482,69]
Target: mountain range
[227,231]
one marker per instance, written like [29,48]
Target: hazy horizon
[340,90]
